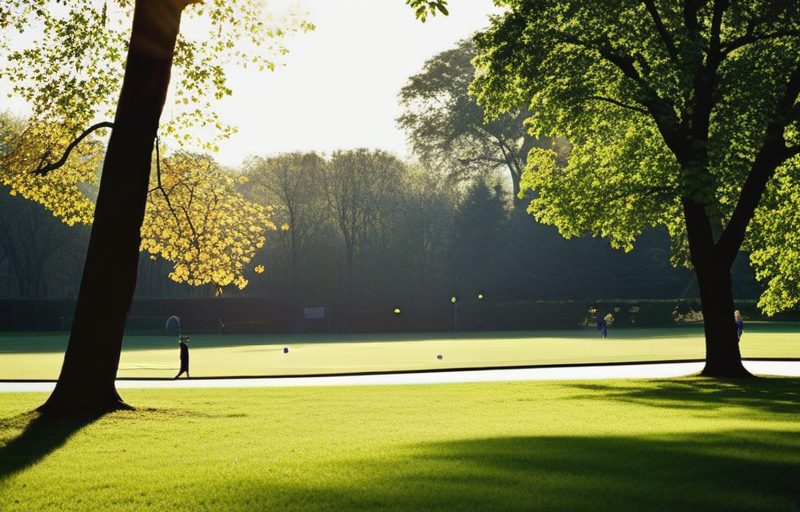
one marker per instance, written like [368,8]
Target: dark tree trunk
[712,265]
[87,381]
[723,358]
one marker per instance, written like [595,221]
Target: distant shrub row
[249,315]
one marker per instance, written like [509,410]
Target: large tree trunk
[87,381]
[712,263]
[723,358]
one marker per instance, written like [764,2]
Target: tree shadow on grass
[732,471]
[40,436]
[763,395]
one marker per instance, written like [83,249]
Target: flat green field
[29,356]
[687,444]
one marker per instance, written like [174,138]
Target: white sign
[315,312]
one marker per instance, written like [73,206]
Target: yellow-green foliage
[63,191]
[196,219]
[66,59]
[775,248]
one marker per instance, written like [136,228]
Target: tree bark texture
[712,265]
[86,384]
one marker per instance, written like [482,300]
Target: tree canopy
[70,75]
[448,130]
[197,219]
[681,113]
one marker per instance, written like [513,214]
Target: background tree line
[362,227]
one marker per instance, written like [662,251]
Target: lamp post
[454,300]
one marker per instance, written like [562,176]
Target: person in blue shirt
[739,324]
[602,325]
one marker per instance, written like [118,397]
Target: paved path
[617,371]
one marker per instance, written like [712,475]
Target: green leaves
[424,7]
[665,103]
[775,241]
[65,59]
[69,63]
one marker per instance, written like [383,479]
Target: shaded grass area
[253,355]
[682,444]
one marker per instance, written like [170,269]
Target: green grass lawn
[26,356]
[642,445]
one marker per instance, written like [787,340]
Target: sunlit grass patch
[682,444]
[254,355]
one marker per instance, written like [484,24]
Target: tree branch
[662,30]
[772,154]
[657,107]
[620,104]
[750,38]
[48,167]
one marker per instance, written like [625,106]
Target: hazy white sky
[338,86]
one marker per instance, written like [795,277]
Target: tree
[479,223]
[447,128]
[291,182]
[64,191]
[682,113]
[355,184]
[86,383]
[420,234]
[39,248]
[774,242]
[43,253]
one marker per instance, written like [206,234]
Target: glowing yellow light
[453,300]
[480,296]
[396,311]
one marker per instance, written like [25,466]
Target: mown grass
[682,444]
[40,357]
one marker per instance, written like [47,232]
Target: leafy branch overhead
[67,62]
[422,8]
[196,219]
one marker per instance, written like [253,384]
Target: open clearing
[24,357]
[653,445]
[637,444]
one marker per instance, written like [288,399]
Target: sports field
[26,356]
[658,445]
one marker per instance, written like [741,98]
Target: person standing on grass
[602,326]
[739,324]
[183,342]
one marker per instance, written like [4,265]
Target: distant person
[173,326]
[602,326]
[739,324]
[183,343]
